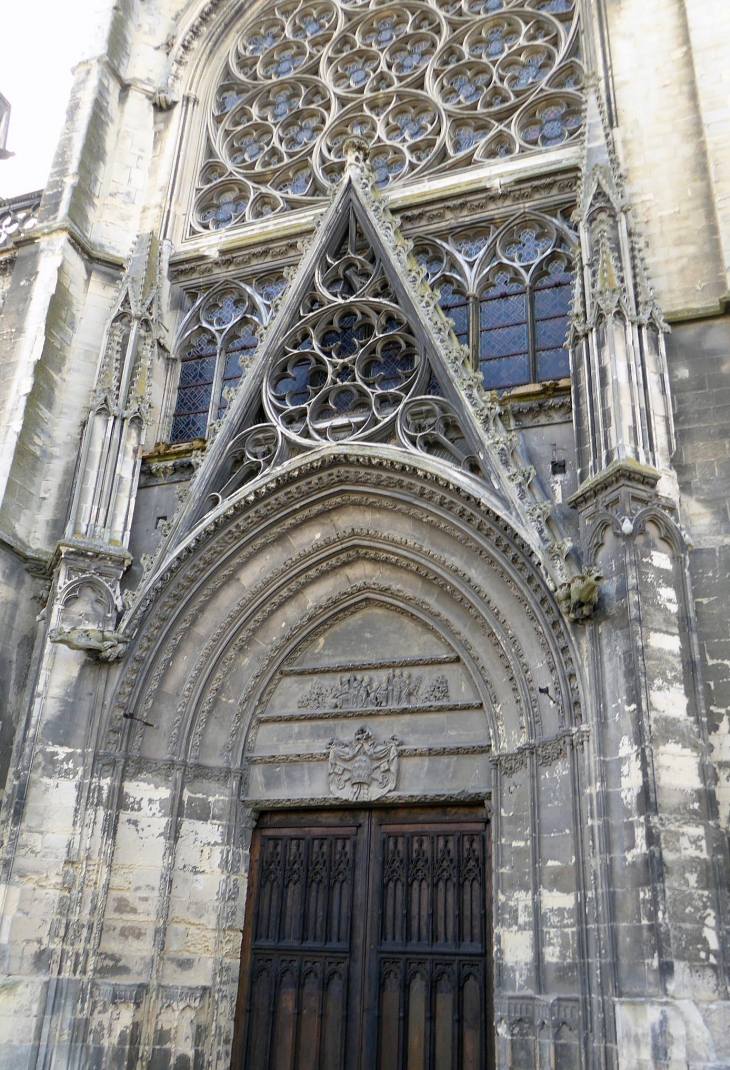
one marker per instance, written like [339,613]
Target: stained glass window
[197,372]
[521,277]
[217,339]
[456,306]
[523,331]
[431,87]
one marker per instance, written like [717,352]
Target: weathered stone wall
[125,844]
[699,355]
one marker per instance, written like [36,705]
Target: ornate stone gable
[358,351]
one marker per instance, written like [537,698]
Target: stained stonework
[309,507]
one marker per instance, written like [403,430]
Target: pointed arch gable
[488,447]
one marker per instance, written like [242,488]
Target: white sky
[42,41]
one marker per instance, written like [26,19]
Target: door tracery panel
[366,943]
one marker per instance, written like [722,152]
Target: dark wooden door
[366,943]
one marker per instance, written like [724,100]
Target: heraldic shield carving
[364,769]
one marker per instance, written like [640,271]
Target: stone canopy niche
[375,703]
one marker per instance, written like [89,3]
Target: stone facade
[448,594]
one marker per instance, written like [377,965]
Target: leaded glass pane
[197,372]
[553,364]
[504,347]
[238,346]
[187,427]
[552,301]
[503,372]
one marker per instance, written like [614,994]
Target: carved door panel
[429,933]
[366,943]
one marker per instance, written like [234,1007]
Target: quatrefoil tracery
[430,85]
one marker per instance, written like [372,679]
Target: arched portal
[355,632]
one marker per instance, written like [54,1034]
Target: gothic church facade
[364,543]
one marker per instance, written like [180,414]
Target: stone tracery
[432,86]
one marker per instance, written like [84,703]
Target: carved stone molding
[363,770]
[175,585]
[547,752]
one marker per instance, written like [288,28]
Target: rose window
[431,85]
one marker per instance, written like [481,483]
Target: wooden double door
[367,942]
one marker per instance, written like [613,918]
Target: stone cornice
[617,473]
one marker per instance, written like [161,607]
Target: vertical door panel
[428,943]
[300,943]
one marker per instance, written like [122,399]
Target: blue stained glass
[271,289]
[193,398]
[528,73]
[471,247]
[486,7]
[195,372]
[386,167]
[502,373]
[392,368]
[229,99]
[553,301]
[504,341]
[232,367]
[553,364]
[294,386]
[529,247]
[503,311]
[460,315]
[189,426]
[551,333]
[455,306]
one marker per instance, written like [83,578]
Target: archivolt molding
[501,636]
[285,507]
[383,467]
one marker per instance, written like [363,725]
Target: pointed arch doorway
[367,942]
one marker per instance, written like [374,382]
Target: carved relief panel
[375,703]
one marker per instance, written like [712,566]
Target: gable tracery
[352,358]
[432,86]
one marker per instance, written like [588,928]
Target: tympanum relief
[365,707]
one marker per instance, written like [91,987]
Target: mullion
[531,334]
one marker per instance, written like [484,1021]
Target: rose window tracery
[351,359]
[430,85]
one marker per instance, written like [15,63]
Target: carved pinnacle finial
[356,150]
[357,163]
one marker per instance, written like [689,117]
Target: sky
[42,42]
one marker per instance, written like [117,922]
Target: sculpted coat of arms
[364,769]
